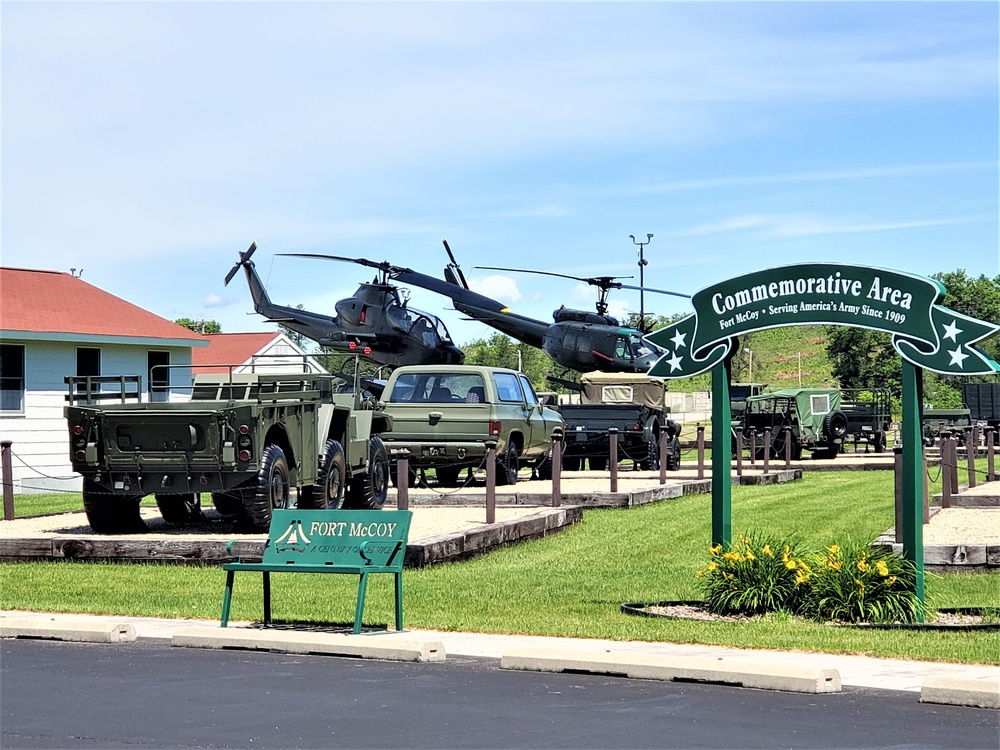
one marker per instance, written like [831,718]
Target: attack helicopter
[375,321]
[577,339]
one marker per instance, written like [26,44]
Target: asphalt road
[149,695]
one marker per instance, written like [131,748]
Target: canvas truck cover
[616,388]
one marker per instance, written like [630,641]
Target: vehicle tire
[571,463]
[507,466]
[111,514]
[674,454]
[369,490]
[273,490]
[598,464]
[543,469]
[180,509]
[228,503]
[879,442]
[328,492]
[652,460]
[394,475]
[835,425]
[447,476]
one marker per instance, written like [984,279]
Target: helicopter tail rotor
[243,261]
[452,272]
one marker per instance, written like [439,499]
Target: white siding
[40,437]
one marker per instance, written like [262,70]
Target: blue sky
[148,143]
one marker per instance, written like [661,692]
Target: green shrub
[757,574]
[858,583]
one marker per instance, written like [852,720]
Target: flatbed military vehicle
[248,440]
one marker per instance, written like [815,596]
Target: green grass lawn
[571,583]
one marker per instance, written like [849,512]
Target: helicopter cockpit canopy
[410,321]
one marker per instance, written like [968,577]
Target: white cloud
[501,288]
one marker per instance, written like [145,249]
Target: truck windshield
[438,388]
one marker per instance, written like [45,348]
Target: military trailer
[248,440]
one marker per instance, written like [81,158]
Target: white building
[54,325]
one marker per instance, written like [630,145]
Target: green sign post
[925,334]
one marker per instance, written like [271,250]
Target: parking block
[389,646]
[738,672]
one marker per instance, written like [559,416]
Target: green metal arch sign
[924,333]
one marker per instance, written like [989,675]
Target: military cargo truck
[635,405]
[248,440]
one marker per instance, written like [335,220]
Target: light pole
[642,265]
[750,375]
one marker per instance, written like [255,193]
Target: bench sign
[312,534]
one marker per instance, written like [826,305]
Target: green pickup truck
[444,416]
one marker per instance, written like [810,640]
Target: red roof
[229,348]
[55,302]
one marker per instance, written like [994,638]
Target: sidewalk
[855,671]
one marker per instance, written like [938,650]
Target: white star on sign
[957,357]
[674,362]
[678,339]
[951,332]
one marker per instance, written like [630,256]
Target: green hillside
[780,357]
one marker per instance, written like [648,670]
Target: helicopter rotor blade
[384,266]
[596,281]
[244,258]
[603,282]
[650,289]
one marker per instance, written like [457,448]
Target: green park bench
[351,542]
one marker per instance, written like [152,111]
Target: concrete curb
[958,692]
[389,646]
[737,672]
[84,630]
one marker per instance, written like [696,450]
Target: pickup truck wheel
[411,480]
[111,514]
[180,509]
[447,475]
[369,490]
[227,503]
[273,489]
[328,492]
[507,465]
[544,467]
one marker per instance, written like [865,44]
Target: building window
[12,378]
[158,370]
[88,361]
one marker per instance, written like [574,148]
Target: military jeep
[819,420]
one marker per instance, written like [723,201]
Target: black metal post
[662,450]
[767,449]
[701,451]
[8,480]
[739,451]
[613,457]
[898,484]
[491,481]
[556,470]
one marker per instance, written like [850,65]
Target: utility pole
[642,265]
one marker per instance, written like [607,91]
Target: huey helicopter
[577,339]
[374,321]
